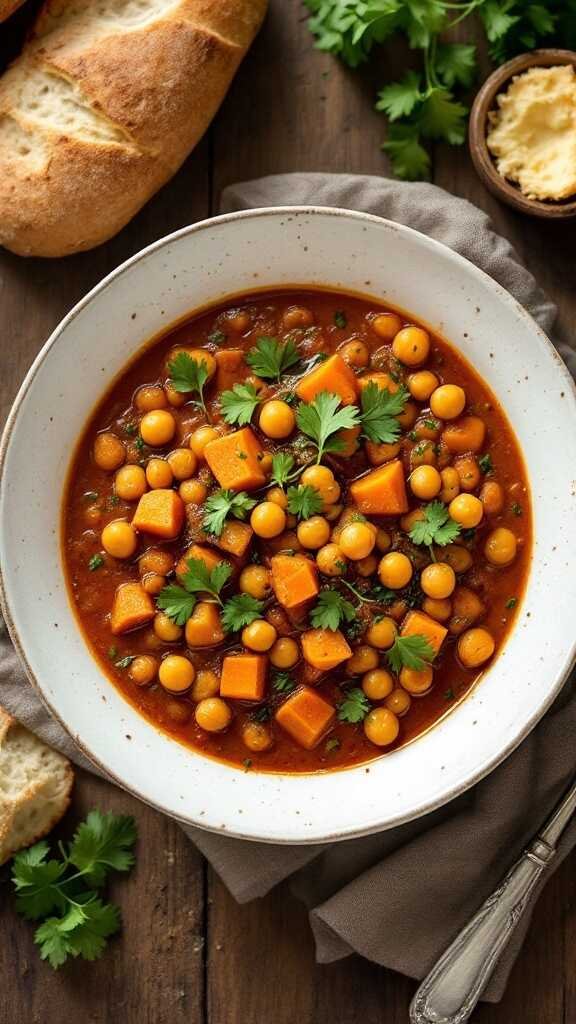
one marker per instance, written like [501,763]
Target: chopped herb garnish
[223,505]
[139,444]
[321,419]
[112,652]
[340,319]
[247,764]
[125,662]
[131,429]
[238,405]
[240,611]
[485,463]
[112,501]
[410,652]
[380,407]
[330,610]
[516,509]
[436,527]
[431,424]
[90,497]
[449,694]
[511,602]
[270,359]
[189,376]
[332,744]
[217,337]
[412,435]
[178,601]
[282,466]
[96,562]
[304,501]
[283,682]
[354,707]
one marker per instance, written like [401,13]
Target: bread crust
[7,7]
[142,98]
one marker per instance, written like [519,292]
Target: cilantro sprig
[270,358]
[178,600]
[321,420]
[436,527]
[189,376]
[304,501]
[353,707]
[331,611]
[240,611]
[282,467]
[410,652]
[66,891]
[380,407]
[238,405]
[223,505]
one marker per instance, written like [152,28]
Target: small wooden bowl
[486,168]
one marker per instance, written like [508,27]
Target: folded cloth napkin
[398,897]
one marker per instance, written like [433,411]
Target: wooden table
[188,953]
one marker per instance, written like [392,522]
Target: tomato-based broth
[296,530]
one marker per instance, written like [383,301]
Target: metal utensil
[451,990]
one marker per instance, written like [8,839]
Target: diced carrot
[350,438]
[418,623]
[210,558]
[333,375]
[235,460]
[160,512]
[294,579]
[235,538]
[204,627]
[229,361]
[244,676]
[132,607]
[465,435]
[306,717]
[382,380]
[382,491]
[325,648]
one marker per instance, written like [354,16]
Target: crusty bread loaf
[104,104]
[7,7]
[35,785]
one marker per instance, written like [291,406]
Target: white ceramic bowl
[202,264]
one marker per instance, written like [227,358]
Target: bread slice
[35,786]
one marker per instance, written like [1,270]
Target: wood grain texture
[188,952]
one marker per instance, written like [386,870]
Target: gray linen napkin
[399,897]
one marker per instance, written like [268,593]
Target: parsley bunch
[436,526]
[178,601]
[331,611]
[188,376]
[222,505]
[321,420]
[270,358]
[425,104]
[65,893]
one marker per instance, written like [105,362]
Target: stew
[296,530]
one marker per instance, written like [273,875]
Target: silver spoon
[451,990]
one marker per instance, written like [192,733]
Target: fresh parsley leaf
[131,429]
[283,683]
[400,98]
[240,611]
[449,694]
[247,764]
[331,610]
[485,463]
[408,158]
[436,527]
[332,744]
[410,652]
[350,28]
[380,407]
[511,602]
[282,466]
[354,707]
[497,21]
[90,497]
[83,931]
[270,358]
[176,603]
[441,117]
[101,844]
[96,562]
[238,405]
[225,504]
[261,714]
[125,662]
[340,319]
[456,64]
[188,376]
[321,419]
[35,880]
[516,508]
[304,501]
[217,337]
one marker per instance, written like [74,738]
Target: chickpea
[377,684]
[143,669]
[238,320]
[213,714]
[467,510]
[363,660]
[450,484]
[422,384]
[157,428]
[417,683]
[192,492]
[297,316]
[313,533]
[201,355]
[266,463]
[398,701]
[255,580]
[475,647]
[257,737]
[468,472]
[383,541]
[331,494]
[357,541]
[425,482]
[355,353]
[176,673]
[206,684]
[381,727]
[321,479]
[159,474]
[268,520]
[119,539]
[382,633]
[427,428]
[366,567]
[492,498]
[448,401]
[259,636]
[130,483]
[411,518]
[109,451]
[458,557]
[277,419]
[423,454]
[408,418]
[182,462]
[467,607]
[284,653]
[437,608]
[173,397]
[165,629]
[200,438]
[179,712]
[154,560]
[150,397]
[378,454]
[501,546]
[397,610]
[411,346]
[395,570]
[331,561]
[386,325]
[332,512]
[467,435]
[153,583]
[438,580]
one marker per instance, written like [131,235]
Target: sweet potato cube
[381,492]
[421,624]
[325,648]
[235,538]
[160,512]
[229,361]
[333,375]
[294,579]
[306,717]
[210,558]
[132,607]
[244,676]
[204,627]
[235,460]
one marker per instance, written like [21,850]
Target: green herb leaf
[456,64]
[238,405]
[408,158]
[410,652]
[125,662]
[176,603]
[331,610]
[217,337]
[441,117]
[35,880]
[516,508]
[282,466]
[240,611]
[350,28]
[304,501]
[90,497]
[283,683]
[332,744]
[354,707]
[380,407]
[485,463]
[321,419]
[436,527]
[340,319]
[188,376]
[101,844]
[96,562]
[224,505]
[511,602]
[270,359]
[400,98]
